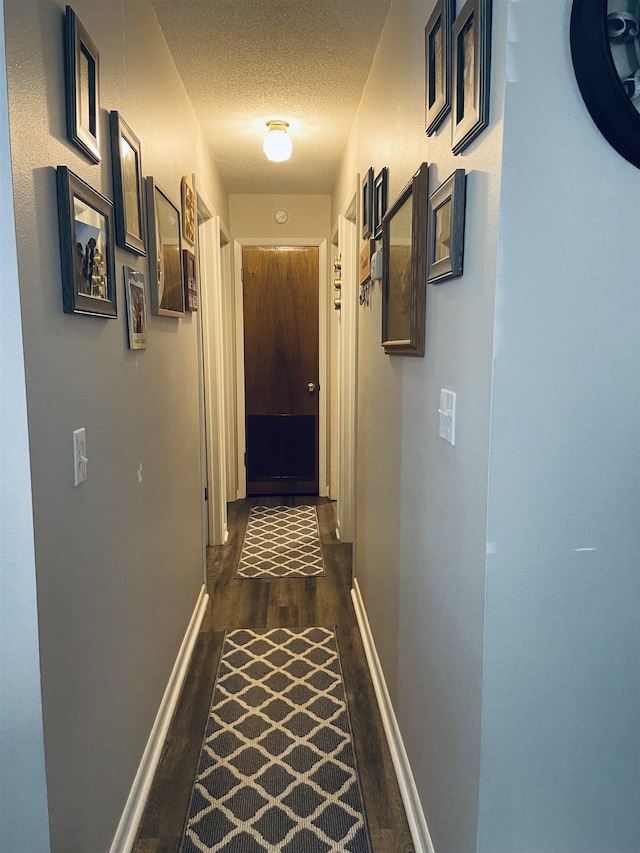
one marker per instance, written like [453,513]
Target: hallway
[496,566]
[288,603]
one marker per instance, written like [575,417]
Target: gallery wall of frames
[142,219]
[421,233]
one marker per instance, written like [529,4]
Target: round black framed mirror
[605,49]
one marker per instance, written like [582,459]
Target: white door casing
[213,371]
[348,372]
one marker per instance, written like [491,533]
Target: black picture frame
[404,283]
[367,204]
[614,110]
[82,82]
[437,65]
[165,253]
[127,185]
[380,193]
[190,276]
[86,247]
[445,230]
[471,73]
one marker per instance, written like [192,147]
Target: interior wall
[561,752]
[252,216]
[24,822]
[118,559]
[421,520]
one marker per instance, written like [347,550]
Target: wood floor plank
[277,602]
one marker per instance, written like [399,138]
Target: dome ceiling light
[277,143]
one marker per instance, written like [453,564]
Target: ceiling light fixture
[277,143]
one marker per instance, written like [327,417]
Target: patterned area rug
[277,769]
[281,541]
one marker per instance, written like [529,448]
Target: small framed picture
[165,253]
[446,228]
[82,81]
[127,185]
[136,308]
[189,273]
[86,247]
[471,64]
[380,191]
[404,244]
[437,65]
[188,211]
[367,204]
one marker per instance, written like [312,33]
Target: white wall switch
[447,413]
[79,456]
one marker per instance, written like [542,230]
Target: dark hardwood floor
[281,602]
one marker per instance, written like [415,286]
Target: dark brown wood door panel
[280,299]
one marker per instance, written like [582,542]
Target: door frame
[211,371]
[274,242]
[348,244]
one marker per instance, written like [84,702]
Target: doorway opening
[281,368]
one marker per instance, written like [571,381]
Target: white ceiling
[246,61]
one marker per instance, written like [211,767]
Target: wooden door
[280,295]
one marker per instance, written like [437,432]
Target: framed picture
[165,253]
[379,200]
[82,79]
[127,185]
[437,65]
[446,228]
[189,273]
[188,211]
[86,247]
[367,204]
[136,308]
[404,283]
[471,65]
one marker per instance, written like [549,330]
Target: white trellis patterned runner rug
[281,541]
[277,768]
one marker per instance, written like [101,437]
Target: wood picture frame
[82,83]
[190,276]
[367,204]
[437,65]
[188,211]
[380,203]
[127,185]
[404,283]
[445,252]
[165,253]
[86,247]
[135,293]
[471,72]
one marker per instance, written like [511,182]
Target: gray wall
[24,823]
[119,562]
[421,504]
[561,747]
[529,744]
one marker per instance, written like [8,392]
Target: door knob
[311,387]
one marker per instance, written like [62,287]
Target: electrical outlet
[79,455]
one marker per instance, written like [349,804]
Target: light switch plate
[447,413]
[79,456]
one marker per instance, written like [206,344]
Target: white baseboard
[415,815]
[134,809]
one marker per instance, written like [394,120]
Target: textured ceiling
[244,62]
